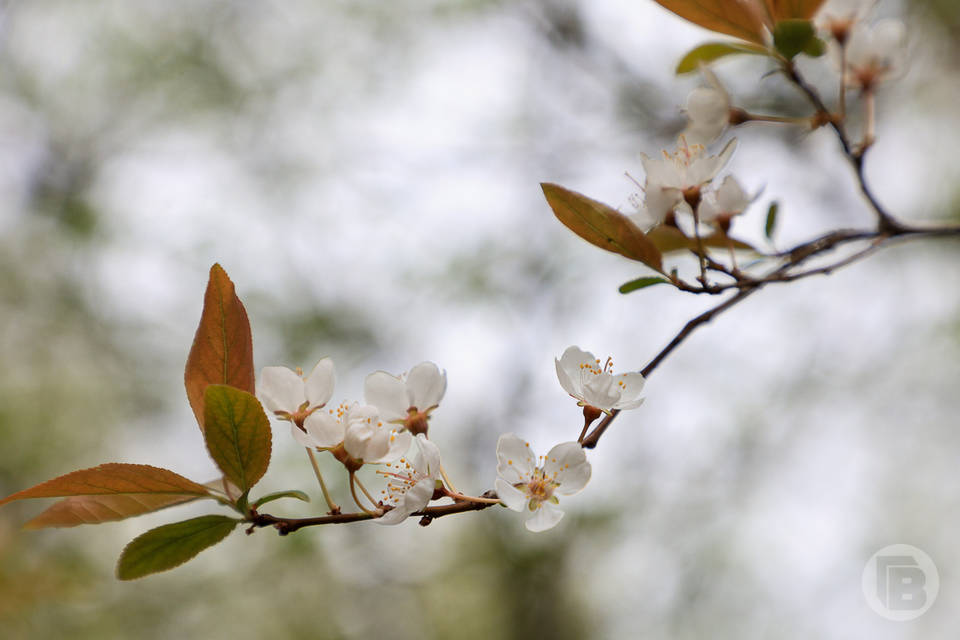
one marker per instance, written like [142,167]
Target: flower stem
[701,249]
[334,508]
[353,492]
[446,479]
[869,108]
[463,498]
[366,493]
[756,117]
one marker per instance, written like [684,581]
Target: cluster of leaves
[764,27]
[219,381]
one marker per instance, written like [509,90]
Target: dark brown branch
[288,525]
[795,257]
[591,440]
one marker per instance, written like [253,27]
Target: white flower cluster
[380,432]
[683,182]
[390,431]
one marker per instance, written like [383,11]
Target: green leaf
[222,351]
[601,225]
[270,497]
[641,283]
[792,37]
[706,53]
[771,223]
[171,545]
[815,48]
[237,434]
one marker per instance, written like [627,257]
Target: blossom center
[401,477]
[416,421]
[340,453]
[539,488]
[595,368]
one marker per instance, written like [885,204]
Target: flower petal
[709,113]
[427,459]
[546,517]
[660,200]
[705,169]
[598,390]
[281,389]
[515,457]
[394,516]
[567,465]
[570,368]
[388,394]
[512,497]
[303,438]
[426,385]
[731,197]
[630,390]
[565,380]
[415,499]
[319,384]
[398,443]
[365,440]
[324,429]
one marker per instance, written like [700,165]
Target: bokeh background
[367,172]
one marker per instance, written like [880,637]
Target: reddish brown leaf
[744,19]
[113,479]
[222,351]
[77,510]
[793,9]
[669,239]
[601,225]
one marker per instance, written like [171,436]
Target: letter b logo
[900,582]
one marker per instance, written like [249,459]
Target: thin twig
[591,440]
[885,221]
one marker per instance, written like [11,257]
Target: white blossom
[410,485]
[728,200]
[407,399]
[839,17]
[677,178]
[528,484]
[288,395]
[875,54]
[357,428]
[582,376]
[708,111]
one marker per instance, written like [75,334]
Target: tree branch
[286,526]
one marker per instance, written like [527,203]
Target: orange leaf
[113,479]
[601,225]
[669,239]
[793,9]
[744,19]
[222,351]
[77,510]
